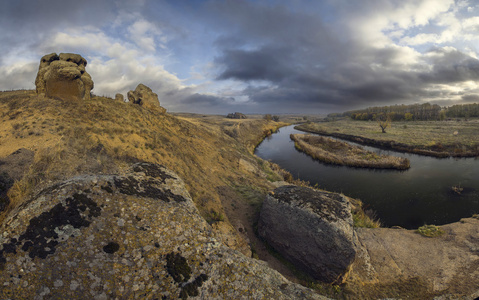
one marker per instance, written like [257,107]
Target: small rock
[119,97]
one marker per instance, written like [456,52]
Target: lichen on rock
[313,229]
[90,237]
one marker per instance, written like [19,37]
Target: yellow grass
[105,136]
[339,153]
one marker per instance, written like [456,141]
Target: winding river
[412,198]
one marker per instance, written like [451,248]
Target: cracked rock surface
[131,236]
[312,229]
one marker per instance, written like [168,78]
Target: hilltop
[101,136]
[104,136]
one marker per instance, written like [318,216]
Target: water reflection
[411,198]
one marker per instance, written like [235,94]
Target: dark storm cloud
[204,100]
[306,62]
[451,66]
[302,60]
[259,56]
[470,98]
[25,22]
[264,64]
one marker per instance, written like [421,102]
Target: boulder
[119,97]
[145,97]
[64,76]
[137,235]
[312,229]
[236,115]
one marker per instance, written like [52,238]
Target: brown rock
[119,97]
[145,97]
[418,266]
[63,76]
[236,115]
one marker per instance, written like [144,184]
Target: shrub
[214,216]
[363,220]
[430,231]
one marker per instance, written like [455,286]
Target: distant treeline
[416,112]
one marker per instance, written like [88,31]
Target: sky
[268,56]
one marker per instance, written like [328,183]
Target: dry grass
[105,136]
[436,138]
[339,153]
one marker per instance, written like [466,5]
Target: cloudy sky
[268,56]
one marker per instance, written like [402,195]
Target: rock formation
[119,97]
[64,76]
[415,266]
[312,229]
[145,97]
[236,115]
[131,236]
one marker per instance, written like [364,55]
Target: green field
[436,138]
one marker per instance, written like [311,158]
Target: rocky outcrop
[119,97]
[131,236]
[64,76]
[312,229]
[145,97]
[414,266]
[236,115]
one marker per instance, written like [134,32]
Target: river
[412,198]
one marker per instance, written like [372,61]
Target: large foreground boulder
[131,236]
[64,76]
[145,97]
[312,229]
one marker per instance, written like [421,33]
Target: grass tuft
[363,220]
[430,231]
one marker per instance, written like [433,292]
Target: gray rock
[312,229]
[64,76]
[131,236]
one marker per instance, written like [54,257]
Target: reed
[340,153]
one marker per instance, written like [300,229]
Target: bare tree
[384,122]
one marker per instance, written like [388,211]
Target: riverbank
[340,153]
[432,138]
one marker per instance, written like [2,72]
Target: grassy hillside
[213,155]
